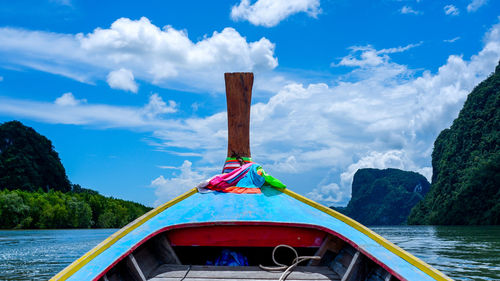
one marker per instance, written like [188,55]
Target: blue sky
[132,95]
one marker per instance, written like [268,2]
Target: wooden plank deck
[238,273]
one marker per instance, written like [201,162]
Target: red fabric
[239,190]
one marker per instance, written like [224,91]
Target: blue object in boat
[230,258]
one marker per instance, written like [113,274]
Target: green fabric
[272,181]
[242,158]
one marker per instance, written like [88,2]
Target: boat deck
[227,273]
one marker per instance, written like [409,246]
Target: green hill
[36,193]
[385,197]
[466,164]
[28,160]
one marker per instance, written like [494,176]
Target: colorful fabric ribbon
[248,178]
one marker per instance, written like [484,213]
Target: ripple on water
[461,252]
[40,254]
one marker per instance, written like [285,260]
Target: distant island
[35,192]
[466,164]
[384,197]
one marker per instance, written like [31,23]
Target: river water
[463,253]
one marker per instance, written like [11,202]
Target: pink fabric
[229,179]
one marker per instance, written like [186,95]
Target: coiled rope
[287,268]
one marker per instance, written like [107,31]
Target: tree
[12,209]
[55,209]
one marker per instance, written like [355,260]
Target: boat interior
[190,253]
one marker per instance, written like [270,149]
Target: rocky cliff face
[466,164]
[385,197]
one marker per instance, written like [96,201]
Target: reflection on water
[463,253]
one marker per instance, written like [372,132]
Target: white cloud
[384,115]
[167,189]
[164,56]
[378,160]
[50,52]
[474,5]
[1,78]
[451,10]
[122,79]
[387,117]
[67,99]
[68,110]
[330,194]
[157,106]
[452,39]
[426,172]
[409,10]
[271,12]
[362,56]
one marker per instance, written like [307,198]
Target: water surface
[463,253]
[40,254]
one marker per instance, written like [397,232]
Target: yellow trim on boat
[429,270]
[79,263]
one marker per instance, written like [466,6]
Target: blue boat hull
[272,206]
